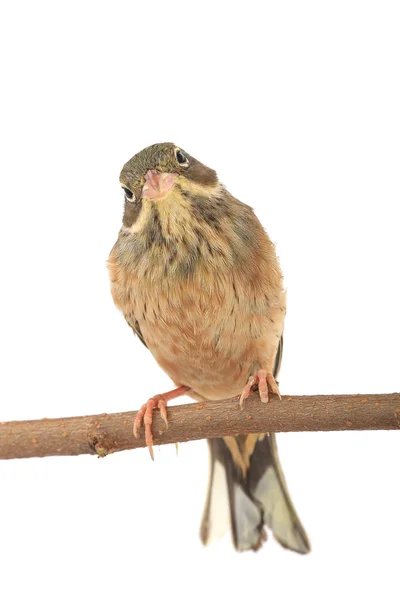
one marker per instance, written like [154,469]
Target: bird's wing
[278,359]
[117,278]
[132,322]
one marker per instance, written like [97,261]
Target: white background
[296,104]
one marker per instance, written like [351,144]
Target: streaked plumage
[198,280]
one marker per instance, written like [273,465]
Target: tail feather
[253,496]
[266,484]
[247,488]
[228,502]
[216,517]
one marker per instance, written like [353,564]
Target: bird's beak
[157,184]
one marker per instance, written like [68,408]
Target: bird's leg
[145,413]
[264,380]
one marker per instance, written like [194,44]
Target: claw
[162,405]
[138,420]
[150,447]
[264,380]
[145,414]
[263,385]
[273,385]
[246,391]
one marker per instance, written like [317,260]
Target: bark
[107,433]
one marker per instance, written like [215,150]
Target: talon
[264,381]
[273,385]
[246,391]
[138,421]
[145,414]
[262,385]
[150,447]
[162,405]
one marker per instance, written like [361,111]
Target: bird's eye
[181,158]
[129,195]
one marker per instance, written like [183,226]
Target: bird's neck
[191,230]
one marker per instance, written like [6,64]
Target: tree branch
[103,434]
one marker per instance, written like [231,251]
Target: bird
[197,279]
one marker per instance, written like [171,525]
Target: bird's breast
[205,289]
[209,333]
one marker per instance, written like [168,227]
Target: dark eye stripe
[131,213]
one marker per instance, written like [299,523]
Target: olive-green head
[164,158]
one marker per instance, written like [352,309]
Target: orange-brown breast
[211,329]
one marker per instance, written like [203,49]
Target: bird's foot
[265,381]
[145,414]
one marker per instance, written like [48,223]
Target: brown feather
[198,280]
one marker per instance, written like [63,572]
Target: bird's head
[157,173]
[179,218]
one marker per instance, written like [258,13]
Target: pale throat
[170,194]
[176,211]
